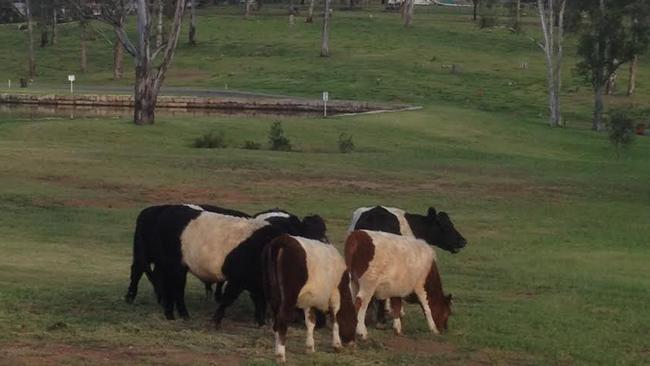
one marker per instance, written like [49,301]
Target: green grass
[555,272]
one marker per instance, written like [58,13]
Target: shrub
[210,140]
[346,145]
[621,131]
[252,145]
[277,139]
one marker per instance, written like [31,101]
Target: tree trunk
[193,23]
[634,66]
[518,14]
[325,40]
[118,61]
[553,54]
[407,12]
[83,63]
[475,8]
[597,124]
[30,46]
[248,10]
[310,15]
[145,96]
[53,34]
[159,34]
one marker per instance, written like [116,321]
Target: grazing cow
[310,275]
[311,227]
[214,247]
[435,228]
[390,266]
[145,245]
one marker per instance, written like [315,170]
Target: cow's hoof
[129,298]
[337,348]
[310,349]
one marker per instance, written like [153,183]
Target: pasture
[556,266]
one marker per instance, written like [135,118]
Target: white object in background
[326,97]
[71,79]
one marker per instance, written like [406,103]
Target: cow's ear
[432,213]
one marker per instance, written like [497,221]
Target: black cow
[435,228]
[146,244]
[310,227]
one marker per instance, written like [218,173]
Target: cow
[145,245]
[311,227]
[214,247]
[310,275]
[435,228]
[394,267]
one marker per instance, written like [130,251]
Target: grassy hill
[555,271]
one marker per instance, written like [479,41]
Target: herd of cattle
[289,263]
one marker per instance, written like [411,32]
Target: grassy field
[555,272]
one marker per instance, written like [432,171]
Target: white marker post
[9,83]
[326,97]
[71,80]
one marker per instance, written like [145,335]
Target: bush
[621,131]
[211,140]
[277,139]
[252,145]
[346,145]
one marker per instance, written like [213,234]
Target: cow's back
[398,265]
[324,268]
[379,218]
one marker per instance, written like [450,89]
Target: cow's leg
[422,297]
[260,306]
[180,279]
[208,290]
[361,303]
[396,312]
[137,268]
[233,290]
[218,291]
[167,285]
[310,324]
[280,331]
[382,306]
[336,337]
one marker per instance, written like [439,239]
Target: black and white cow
[311,227]
[312,276]
[435,228]
[213,247]
[146,244]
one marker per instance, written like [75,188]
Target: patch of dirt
[110,195]
[57,354]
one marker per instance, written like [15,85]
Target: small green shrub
[252,145]
[621,131]
[211,140]
[277,140]
[346,145]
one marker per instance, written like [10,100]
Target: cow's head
[441,232]
[313,227]
[440,313]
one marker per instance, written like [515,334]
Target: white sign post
[9,83]
[326,97]
[71,79]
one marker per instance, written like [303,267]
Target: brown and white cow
[309,275]
[390,266]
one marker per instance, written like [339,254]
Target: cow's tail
[284,275]
[139,265]
[359,251]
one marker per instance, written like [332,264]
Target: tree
[407,12]
[634,67]
[192,32]
[149,75]
[30,43]
[310,14]
[549,12]
[476,3]
[614,31]
[325,38]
